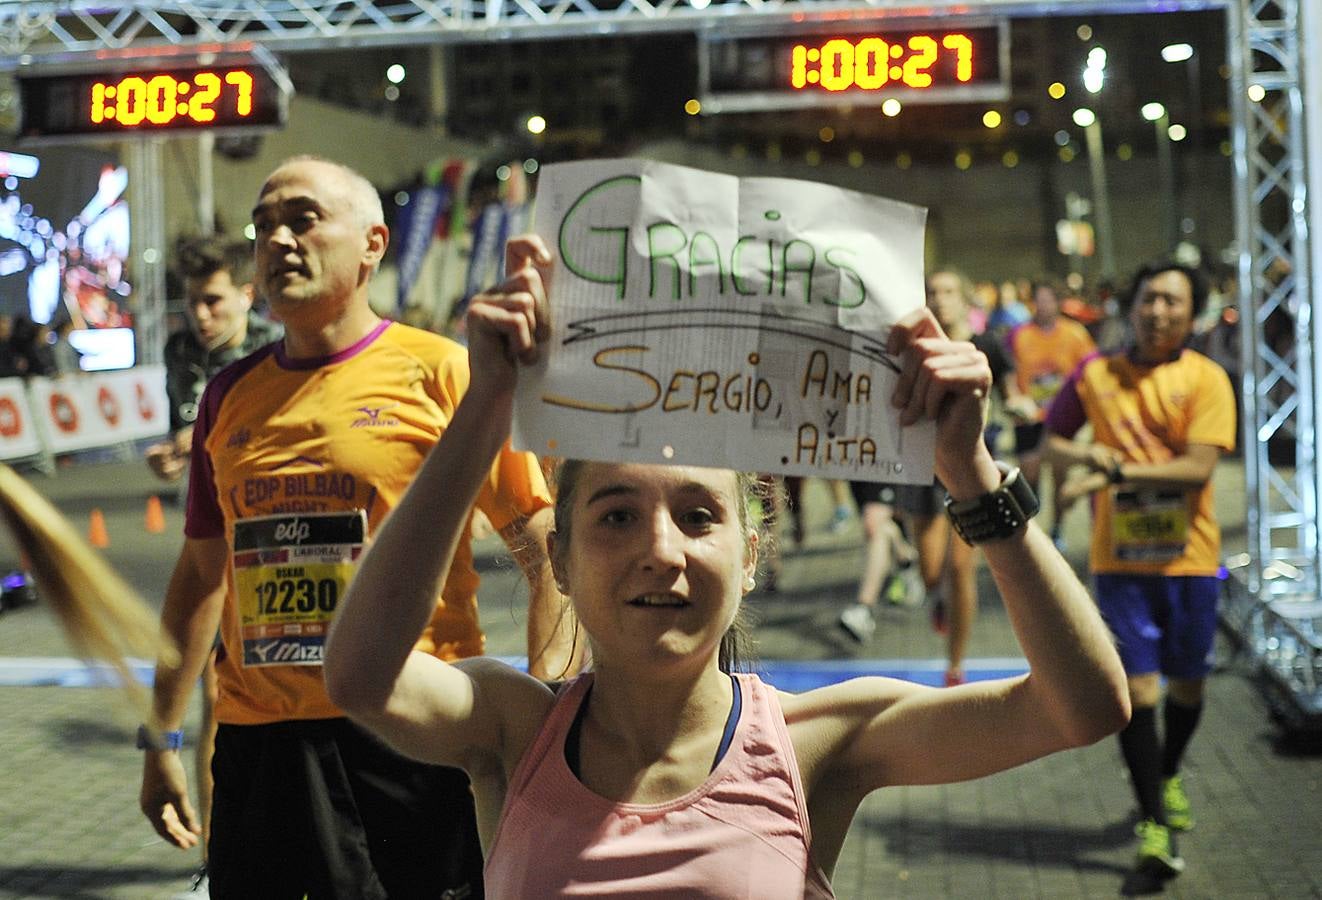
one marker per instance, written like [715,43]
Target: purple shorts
[1161,623]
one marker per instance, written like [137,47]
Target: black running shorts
[324,809]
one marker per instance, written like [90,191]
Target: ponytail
[101,614]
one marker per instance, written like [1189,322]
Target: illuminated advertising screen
[64,246]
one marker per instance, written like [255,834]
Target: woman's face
[656,561]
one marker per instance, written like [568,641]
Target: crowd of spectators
[29,348]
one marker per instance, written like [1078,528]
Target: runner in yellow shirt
[1161,415]
[299,453]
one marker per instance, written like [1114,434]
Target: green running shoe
[1157,855]
[894,592]
[1179,816]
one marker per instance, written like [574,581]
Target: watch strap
[159,740]
[995,515]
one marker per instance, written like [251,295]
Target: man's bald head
[358,191]
[319,237]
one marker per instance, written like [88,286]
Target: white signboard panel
[703,319]
[99,409]
[18,431]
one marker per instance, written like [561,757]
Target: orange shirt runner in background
[1151,413]
[1045,357]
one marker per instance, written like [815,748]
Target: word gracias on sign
[753,266]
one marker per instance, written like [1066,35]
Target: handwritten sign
[703,319]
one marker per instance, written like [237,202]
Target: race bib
[1044,388]
[1149,526]
[290,572]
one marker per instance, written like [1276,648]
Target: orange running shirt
[296,448]
[1044,357]
[1151,414]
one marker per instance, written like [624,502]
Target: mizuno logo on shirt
[283,651]
[373,417]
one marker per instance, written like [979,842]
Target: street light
[1094,77]
[1092,128]
[1156,114]
[1185,53]
[1094,73]
[1174,53]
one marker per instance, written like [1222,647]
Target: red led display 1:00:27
[871,63]
[161,99]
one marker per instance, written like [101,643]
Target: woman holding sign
[661,772]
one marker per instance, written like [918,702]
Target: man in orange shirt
[1162,415]
[300,451]
[1046,349]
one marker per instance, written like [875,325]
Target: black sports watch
[996,515]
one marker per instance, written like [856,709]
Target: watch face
[1023,494]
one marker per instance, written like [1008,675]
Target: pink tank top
[742,833]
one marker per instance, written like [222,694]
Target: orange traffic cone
[96,530]
[155,520]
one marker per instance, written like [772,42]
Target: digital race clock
[150,100]
[815,64]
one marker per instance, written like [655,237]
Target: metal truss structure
[1275,606]
[143,158]
[1278,612]
[51,28]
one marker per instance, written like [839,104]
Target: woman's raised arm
[423,706]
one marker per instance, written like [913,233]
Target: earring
[749,583]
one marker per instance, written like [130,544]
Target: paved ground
[1060,828]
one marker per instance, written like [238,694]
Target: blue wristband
[166,740]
